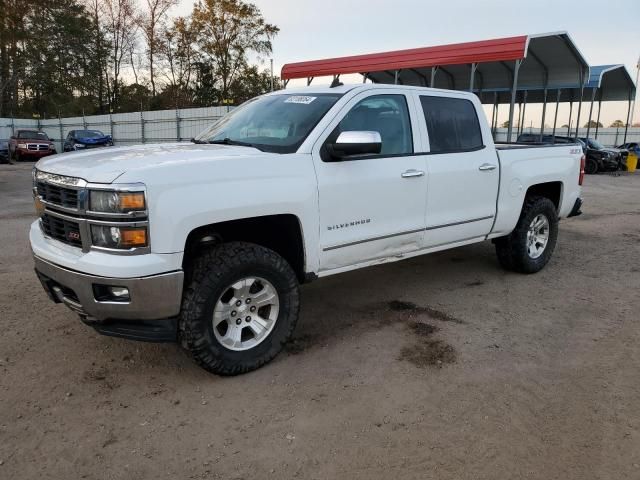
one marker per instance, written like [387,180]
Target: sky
[605,31]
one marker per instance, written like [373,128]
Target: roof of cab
[342,89]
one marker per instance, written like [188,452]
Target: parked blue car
[632,147]
[83,139]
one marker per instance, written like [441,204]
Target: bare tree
[151,22]
[120,21]
[178,51]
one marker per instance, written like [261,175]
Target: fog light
[121,293]
[110,293]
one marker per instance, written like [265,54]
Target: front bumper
[154,297]
[35,153]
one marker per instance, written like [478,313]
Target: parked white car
[207,243]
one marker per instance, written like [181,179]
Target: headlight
[105,201]
[22,145]
[77,146]
[106,236]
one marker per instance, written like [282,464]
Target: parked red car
[30,145]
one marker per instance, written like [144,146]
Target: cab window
[386,114]
[452,124]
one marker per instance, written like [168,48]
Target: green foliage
[69,57]
[593,124]
[227,31]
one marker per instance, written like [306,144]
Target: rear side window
[452,124]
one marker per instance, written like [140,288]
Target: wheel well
[280,233]
[550,190]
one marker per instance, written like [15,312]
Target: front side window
[386,114]
[272,123]
[452,124]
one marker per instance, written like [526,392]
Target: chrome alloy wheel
[537,236]
[246,313]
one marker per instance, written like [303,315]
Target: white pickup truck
[206,243]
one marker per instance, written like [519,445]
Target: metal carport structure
[531,62]
[606,83]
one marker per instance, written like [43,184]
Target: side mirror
[350,144]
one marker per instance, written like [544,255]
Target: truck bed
[509,146]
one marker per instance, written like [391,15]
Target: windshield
[273,123]
[89,134]
[595,144]
[32,135]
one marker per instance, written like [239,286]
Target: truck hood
[106,165]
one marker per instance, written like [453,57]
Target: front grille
[37,147]
[60,229]
[57,195]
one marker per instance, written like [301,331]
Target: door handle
[485,167]
[412,173]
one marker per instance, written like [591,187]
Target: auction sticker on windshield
[300,99]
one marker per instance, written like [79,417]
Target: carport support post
[593,97]
[524,109]
[474,67]
[434,70]
[569,122]
[555,116]
[513,99]
[494,115]
[598,120]
[626,125]
[395,77]
[544,113]
[580,104]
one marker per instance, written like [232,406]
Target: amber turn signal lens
[131,201]
[133,237]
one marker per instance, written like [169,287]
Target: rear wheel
[531,244]
[239,308]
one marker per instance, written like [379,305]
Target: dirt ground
[441,367]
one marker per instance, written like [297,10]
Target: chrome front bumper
[154,297]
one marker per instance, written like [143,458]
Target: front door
[372,207]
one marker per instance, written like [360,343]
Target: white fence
[125,128]
[182,124]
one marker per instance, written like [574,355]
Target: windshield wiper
[228,141]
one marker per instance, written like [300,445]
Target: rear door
[463,173]
[372,207]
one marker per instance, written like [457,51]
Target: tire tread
[206,273]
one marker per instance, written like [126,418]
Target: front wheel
[531,244]
[239,308]
[591,166]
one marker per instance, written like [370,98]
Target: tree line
[73,57]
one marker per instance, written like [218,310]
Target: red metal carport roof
[496,50]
